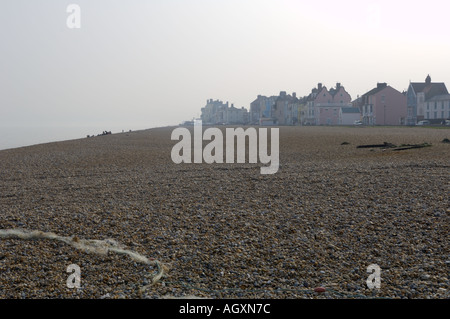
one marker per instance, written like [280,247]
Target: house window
[383,98]
[435,115]
[442,114]
[442,105]
[428,115]
[435,105]
[428,105]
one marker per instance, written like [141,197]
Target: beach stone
[319,289]
[225,230]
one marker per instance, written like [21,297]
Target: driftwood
[411,146]
[395,147]
[384,145]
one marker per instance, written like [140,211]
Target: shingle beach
[225,230]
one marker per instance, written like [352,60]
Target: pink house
[383,105]
[323,106]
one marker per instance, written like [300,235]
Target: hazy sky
[145,63]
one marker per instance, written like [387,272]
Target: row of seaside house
[383,105]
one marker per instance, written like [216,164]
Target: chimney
[294,95]
[338,86]
[381,85]
[319,86]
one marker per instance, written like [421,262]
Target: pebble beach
[225,230]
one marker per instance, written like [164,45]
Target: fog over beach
[13,137]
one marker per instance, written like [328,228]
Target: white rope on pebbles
[100,247]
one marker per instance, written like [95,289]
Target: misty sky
[143,63]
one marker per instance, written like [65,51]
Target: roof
[315,92]
[350,110]
[430,89]
[286,97]
[380,87]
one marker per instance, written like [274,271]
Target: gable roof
[380,87]
[429,88]
[316,92]
[360,101]
[434,89]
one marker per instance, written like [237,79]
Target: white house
[438,108]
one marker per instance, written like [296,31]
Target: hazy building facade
[212,112]
[437,109]
[217,112]
[275,110]
[261,109]
[323,106]
[286,109]
[233,115]
[382,105]
[419,93]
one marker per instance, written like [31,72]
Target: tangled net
[94,246]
